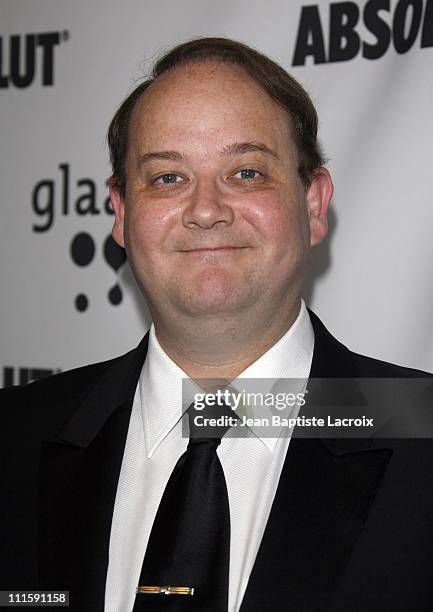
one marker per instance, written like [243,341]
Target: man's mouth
[213,249]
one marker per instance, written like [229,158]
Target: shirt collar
[160,383]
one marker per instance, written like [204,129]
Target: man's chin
[211,305]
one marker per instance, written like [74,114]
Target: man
[219,192]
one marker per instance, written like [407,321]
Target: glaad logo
[52,198]
[21,67]
[82,200]
[345,43]
[82,252]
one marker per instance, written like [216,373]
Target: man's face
[215,218]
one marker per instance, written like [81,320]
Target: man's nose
[207,207]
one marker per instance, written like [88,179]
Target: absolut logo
[29,58]
[405,24]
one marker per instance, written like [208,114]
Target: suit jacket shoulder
[332,359]
[77,402]
[48,402]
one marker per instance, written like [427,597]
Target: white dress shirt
[252,465]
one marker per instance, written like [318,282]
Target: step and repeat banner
[67,294]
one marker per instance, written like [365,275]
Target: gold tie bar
[165,590]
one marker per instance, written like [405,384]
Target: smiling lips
[213,249]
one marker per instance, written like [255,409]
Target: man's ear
[319,195]
[118,205]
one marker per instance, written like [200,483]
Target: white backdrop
[371,283]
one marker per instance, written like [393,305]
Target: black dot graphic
[82,249]
[114,255]
[82,253]
[115,295]
[81,302]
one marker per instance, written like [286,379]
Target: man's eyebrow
[237,148]
[249,147]
[168,155]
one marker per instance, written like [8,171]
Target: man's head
[278,84]
[218,186]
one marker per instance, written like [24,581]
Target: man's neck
[225,347]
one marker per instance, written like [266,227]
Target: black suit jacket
[351,526]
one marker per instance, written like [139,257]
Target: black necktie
[189,544]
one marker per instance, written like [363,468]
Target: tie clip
[165,590]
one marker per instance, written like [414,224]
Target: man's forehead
[201,73]
[200,100]
[212,84]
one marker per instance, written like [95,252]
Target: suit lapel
[322,500]
[320,507]
[78,476]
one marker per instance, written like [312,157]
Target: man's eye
[248,174]
[168,179]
